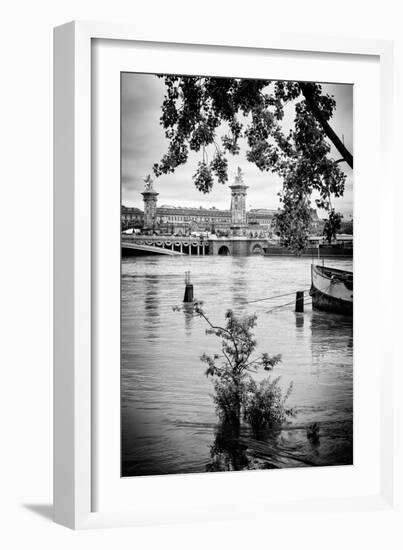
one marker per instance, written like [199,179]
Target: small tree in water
[237,395]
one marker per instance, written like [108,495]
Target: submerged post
[299,302]
[188,288]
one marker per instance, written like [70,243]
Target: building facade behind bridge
[184,221]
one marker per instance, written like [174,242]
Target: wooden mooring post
[299,301]
[188,288]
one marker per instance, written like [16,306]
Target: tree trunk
[238,402]
[331,134]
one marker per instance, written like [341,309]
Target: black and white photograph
[186,365]
[236,274]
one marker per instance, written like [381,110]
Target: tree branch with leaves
[196,109]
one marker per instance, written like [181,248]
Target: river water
[169,424]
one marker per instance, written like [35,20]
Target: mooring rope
[280,306]
[313,291]
[274,297]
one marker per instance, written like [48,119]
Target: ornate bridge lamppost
[150,204]
[238,203]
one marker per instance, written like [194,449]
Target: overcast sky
[144,143]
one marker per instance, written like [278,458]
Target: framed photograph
[219,237]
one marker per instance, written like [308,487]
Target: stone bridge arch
[237,246]
[224,250]
[256,249]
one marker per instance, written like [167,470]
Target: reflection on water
[188,314]
[228,453]
[299,323]
[168,419]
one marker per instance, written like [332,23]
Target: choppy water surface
[169,423]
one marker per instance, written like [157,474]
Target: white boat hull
[331,290]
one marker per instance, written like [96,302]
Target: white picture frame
[77,471]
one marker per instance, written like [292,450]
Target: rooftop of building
[262,210]
[201,209]
[131,208]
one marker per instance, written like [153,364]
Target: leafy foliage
[237,394]
[203,178]
[332,225]
[194,108]
[265,403]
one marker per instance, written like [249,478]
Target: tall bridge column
[150,203]
[238,200]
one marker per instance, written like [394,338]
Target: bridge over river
[193,246]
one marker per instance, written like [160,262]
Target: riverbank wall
[323,252]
